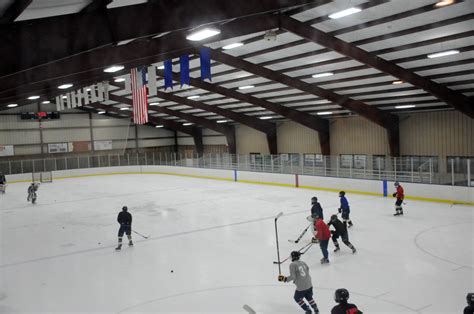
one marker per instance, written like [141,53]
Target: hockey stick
[140,234]
[278,247]
[301,235]
[307,246]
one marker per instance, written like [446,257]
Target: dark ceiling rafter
[457,100]
[34,38]
[227,130]
[14,11]
[96,5]
[193,131]
[315,123]
[384,119]
[263,126]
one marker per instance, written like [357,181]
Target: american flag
[139,95]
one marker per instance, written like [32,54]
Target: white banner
[98,92]
[6,150]
[102,145]
[57,148]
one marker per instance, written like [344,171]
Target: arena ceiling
[373,63]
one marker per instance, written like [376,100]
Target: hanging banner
[205,58]
[184,70]
[152,86]
[168,74]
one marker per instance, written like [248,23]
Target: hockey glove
[394,194]
[281,278]
[315,240]
[332,231]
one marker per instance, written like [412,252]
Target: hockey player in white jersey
[299,274]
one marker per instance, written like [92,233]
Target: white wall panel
[296,138]
[250,140]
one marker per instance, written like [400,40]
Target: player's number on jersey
[302,271]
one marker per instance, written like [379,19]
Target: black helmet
[334,217]
[470,298]
[396,183]
[295,255]
[341,295]
[314,199]
[342,193]
[125,208]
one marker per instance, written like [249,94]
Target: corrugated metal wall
[250,140]
[296,138]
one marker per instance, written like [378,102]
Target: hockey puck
[171,270]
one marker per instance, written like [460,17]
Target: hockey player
[469,309]
[3,183]
[322,235]
[299,273]
[32,193]
[341,296]
[316,209]
[344,209]
[340,230]
[124,218]
[400,196]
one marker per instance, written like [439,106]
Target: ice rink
[212,246]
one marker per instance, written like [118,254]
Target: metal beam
[384,119]
[27,44]
[139,52]
[227,130]
[455,99]
[263,126]
[96,5]
[14,11]
[315,123]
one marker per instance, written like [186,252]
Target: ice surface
[218,237]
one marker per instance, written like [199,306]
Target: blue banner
[205,56]
[184,68]
[168,74]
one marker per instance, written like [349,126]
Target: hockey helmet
[470,298]
[125,208]
[314,199]
[333,217]
[341,295]
[295,255]
[342,193]
[396,183]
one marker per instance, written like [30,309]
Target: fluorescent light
[444,3]
[45,102]
[161,67]
[232,46]
[159,126]
[397,82]
[404,106]
[323,113]
[154,104]
[246,87]
[265,118]
[12,105]
[88,89]
[64,97]
[120,79]
[187,123]
[65,86]
[193,97]
[344,13]
[203,34]
[322,74]
[101,112]
[114,68]
[443,54]
[221,121]
[124,108]
[33,97]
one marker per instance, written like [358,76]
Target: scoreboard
[42,115]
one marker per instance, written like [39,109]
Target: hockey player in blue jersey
[344,209]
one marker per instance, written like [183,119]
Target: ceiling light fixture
[324,113]
[405,106]
[33,97]
[65,86]
[64,97]
[101,112]
[443,3]
[246,87]
[161,67]
[232,46]
[322,74]
[114,68]
[203,34]
[159,126]
[12,105]
[124,108]
[187,123]
[265,118]
[443,54]
[344,13]
[120,79]
[154,104]
[397,82]
[193,97]
[45,102]
[221,121]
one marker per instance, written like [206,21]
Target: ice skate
[315,309]
[130,243]
[354,250]
[324,261]
[118,248]
[308,312]
[337,249]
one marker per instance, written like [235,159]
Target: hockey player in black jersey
[32,193]
[316,209]
[341,296]
[340,230]
[124,218]
[469,309]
